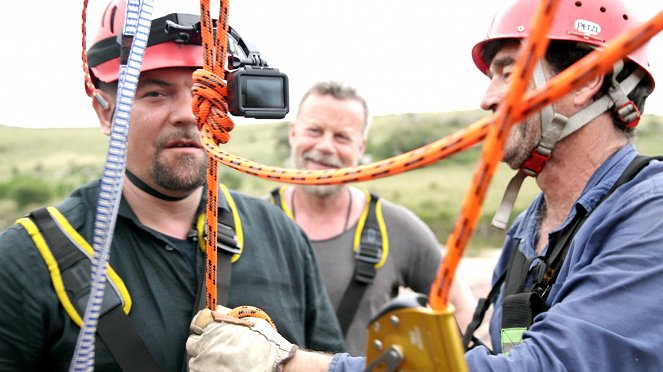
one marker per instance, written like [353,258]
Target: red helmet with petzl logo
[594,22]
[174,41]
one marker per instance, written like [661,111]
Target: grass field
[54,161]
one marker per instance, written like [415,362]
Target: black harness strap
[226,247]
[469,340]
[368,254]
[114,327]
[276,197]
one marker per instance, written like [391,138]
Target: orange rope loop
[597,62]
[210,107]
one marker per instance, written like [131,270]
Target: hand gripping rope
[135,33]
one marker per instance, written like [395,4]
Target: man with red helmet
[157,260]
[576,287]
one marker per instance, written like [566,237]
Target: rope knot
[210,106]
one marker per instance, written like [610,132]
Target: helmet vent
[625,16]
[602,9]
[578,4]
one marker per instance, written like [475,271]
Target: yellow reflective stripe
[284,205]
[200,225]
[383,231]
[238,223]
[81,243]
[53,268]
[362,221]
[383,228]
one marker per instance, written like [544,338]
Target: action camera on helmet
[254,89]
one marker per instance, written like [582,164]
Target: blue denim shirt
[606,304]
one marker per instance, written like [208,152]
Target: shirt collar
[525,227]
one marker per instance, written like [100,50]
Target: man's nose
[182,113]
[326,143]
[493,96]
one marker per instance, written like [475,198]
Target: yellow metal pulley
[407,336]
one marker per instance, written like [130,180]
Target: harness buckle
[364,272]
[537,159]
[370,246]
[628,114]
[226,240]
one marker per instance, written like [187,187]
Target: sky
[403,57]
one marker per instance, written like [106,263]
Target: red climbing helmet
[171,44]
[593,22]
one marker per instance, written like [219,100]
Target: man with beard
[329,133]
[577,285]
[157,259]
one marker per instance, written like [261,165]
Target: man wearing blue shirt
[601,309]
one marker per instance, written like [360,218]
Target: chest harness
[521,305]
[371,247]
[68,257]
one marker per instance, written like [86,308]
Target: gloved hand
[220,342]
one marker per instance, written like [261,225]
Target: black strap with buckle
[369,253]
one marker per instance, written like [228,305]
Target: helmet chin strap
[555,127]
[148,189]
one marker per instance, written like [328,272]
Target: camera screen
[263,92]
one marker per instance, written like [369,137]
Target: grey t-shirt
[413,260]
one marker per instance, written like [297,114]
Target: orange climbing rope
[211,110]
[496,127]
[598,62]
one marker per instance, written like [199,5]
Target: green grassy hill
[40,166]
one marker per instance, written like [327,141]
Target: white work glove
[220,342]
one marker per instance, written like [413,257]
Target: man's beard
[524,137]
[186,173]
[321,191]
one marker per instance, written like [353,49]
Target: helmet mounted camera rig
[254,89]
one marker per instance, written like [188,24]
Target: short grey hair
[339,91]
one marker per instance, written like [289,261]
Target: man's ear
[105,114]
[583,95]
[291,133]
[362,146]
